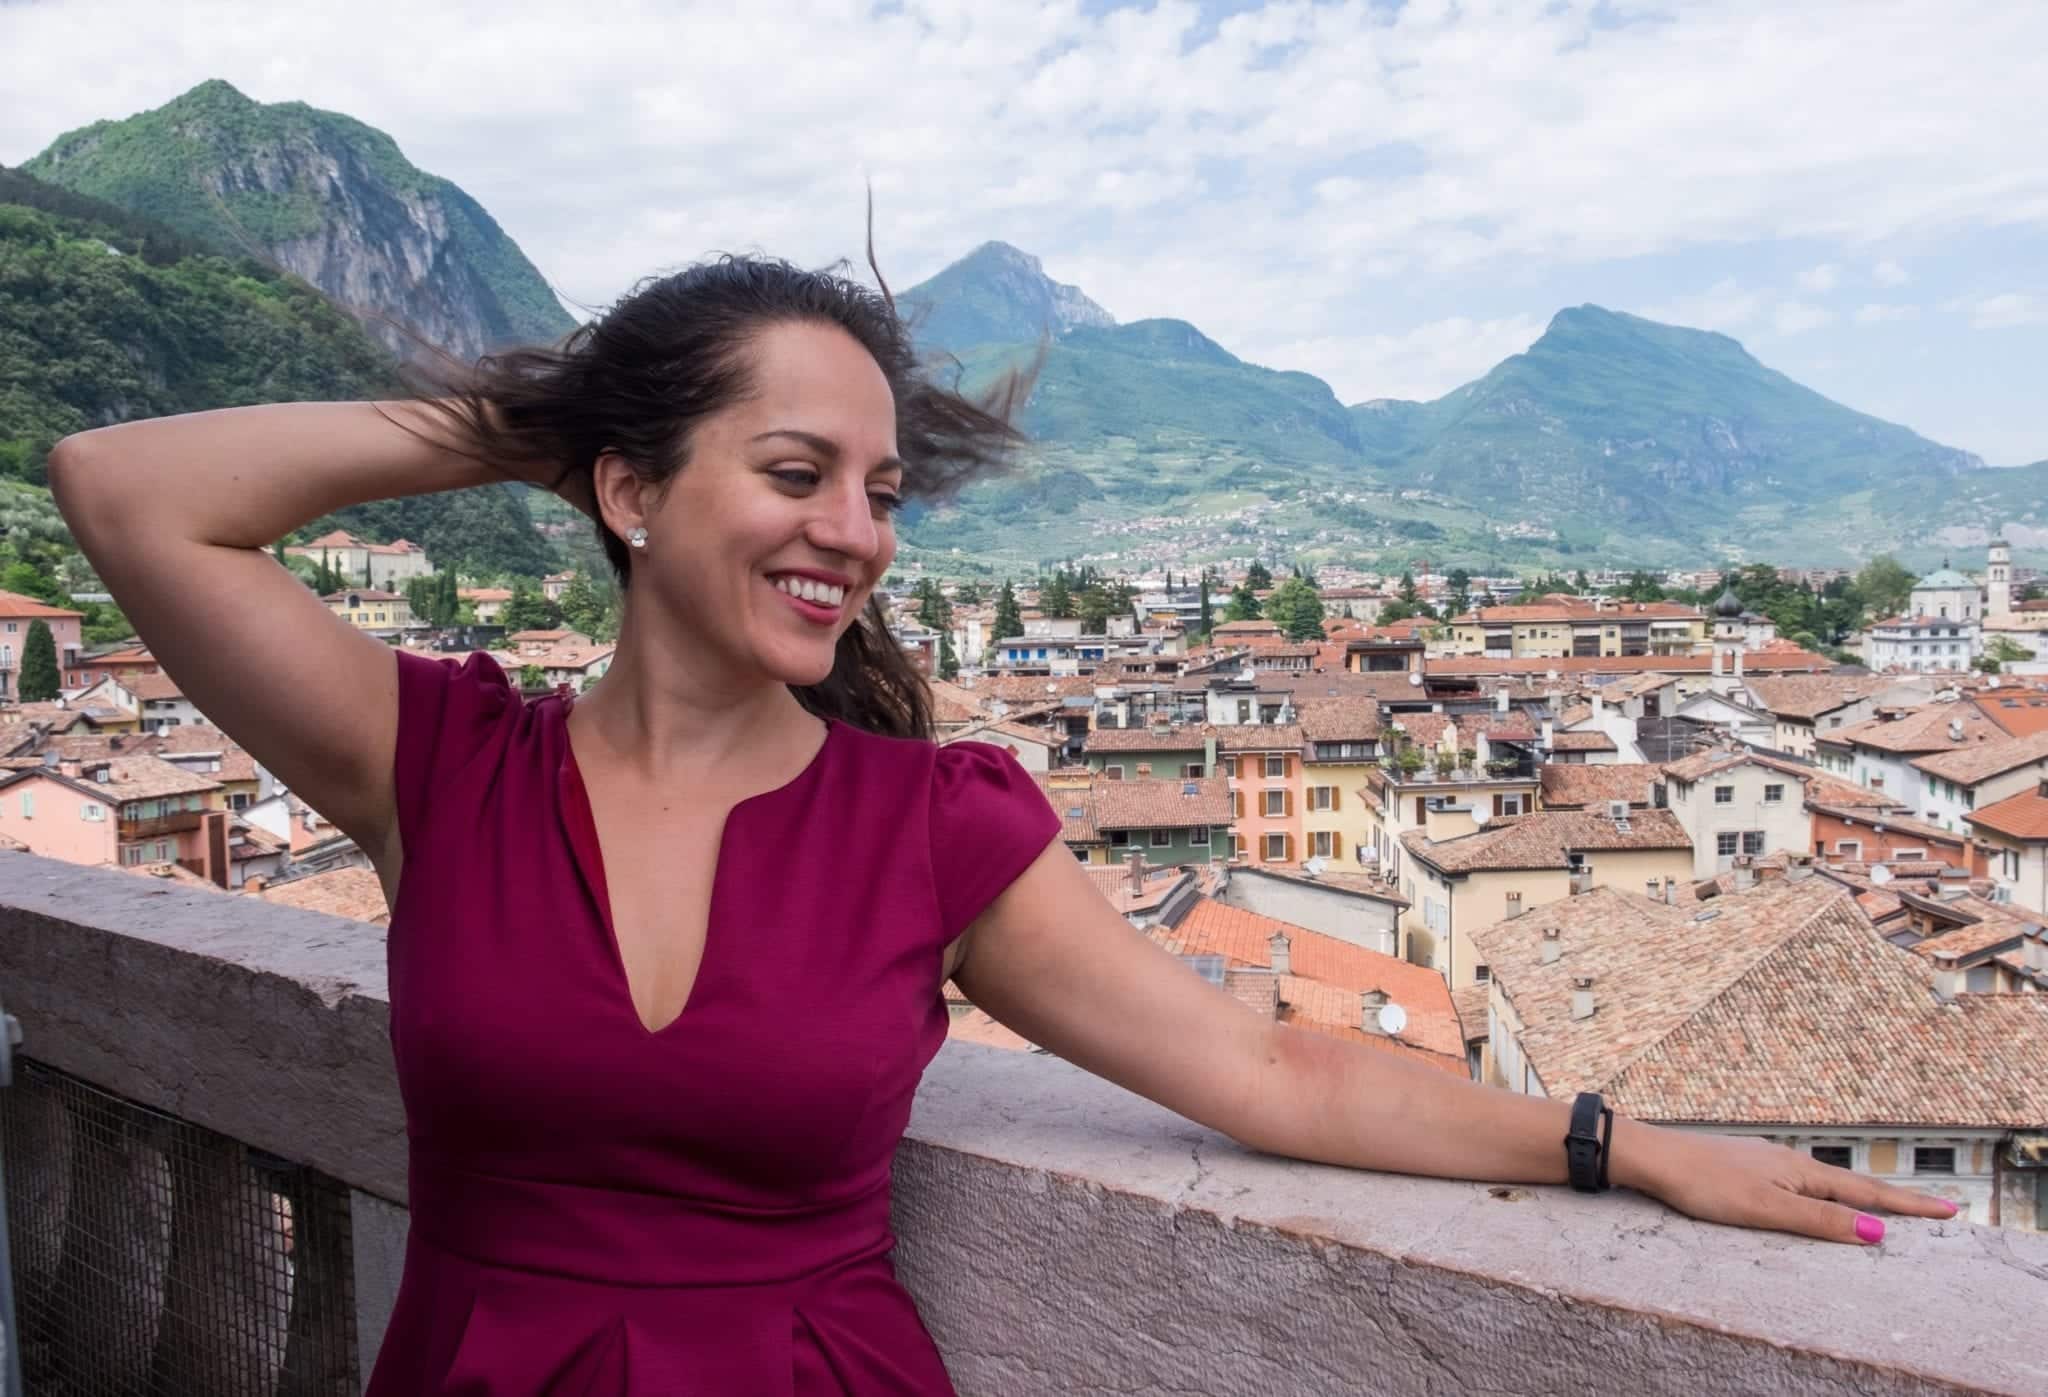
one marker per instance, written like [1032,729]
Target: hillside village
[1552,840]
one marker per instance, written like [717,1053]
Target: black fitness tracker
[1585,1151]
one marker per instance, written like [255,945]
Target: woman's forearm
[245,477]
[1344,1103]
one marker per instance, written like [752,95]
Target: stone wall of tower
[1998,580]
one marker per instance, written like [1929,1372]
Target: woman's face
[773,535]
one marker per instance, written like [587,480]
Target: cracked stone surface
[1062,1235]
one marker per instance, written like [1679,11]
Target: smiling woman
[666,959]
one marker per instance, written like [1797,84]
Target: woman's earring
[637,537]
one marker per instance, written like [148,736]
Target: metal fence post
[10,1344]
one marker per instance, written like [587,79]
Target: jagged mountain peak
[997,294]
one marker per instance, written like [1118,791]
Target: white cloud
[1424,361]
[2004,311]
[1820,279]
[1797,317]
[1725,305]
[1889,273]
[1875,313]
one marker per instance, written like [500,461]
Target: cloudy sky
[1393,197]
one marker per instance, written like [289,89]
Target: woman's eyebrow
[824,446]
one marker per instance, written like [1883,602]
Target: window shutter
[1336,845]
[1500,804]
[1287,845]
[1237,804]
[1336,795]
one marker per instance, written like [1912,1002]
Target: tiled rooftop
[1808,696]
[2024,816]
[1154,804]
[1583,785]
[1923,729]
[1969,765]
[1836,1026]
[1544,839]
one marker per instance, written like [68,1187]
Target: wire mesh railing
[155,1258]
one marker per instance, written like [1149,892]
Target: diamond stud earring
[637,537]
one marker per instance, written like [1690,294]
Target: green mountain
[322,196]
[107,316]
[1611,437]
[995,295]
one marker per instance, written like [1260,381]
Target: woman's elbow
[77,471]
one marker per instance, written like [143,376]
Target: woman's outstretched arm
[1052,959]
[174,514]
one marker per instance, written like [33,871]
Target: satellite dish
[1880,875]
[1393,1018]
[1480,817]
[1414,678]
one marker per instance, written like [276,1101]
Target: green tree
[968,594]
[532,677]
[433,598]
[104,624]
[1257,578]
[949,663]
[1057,597]
[1094,607]
[1395,610]
[1460,582]
[1243,605]
[1208,620]
[1579,583]
[40,678]
[1408,593]
[933,610]
[27,580]
[1884,586]
[1009,622]
[2032,591]
[529,609]
[588,608]
[1297,609]
[2001,652]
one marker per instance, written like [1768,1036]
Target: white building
[1947,595]
[1732,804]
[1998,579]
[1923,644]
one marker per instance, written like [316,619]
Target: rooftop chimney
[254,883]
[1599,705]
[1138,872]
[1276,947]
[1582,997]
[1745,873]
[1500,699]
[1955,730]
[1553,945]
[1652,888]
[1370,1002]
[1671,892]
[1948,976]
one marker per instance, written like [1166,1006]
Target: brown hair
[638,378]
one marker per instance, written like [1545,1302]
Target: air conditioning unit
[2001,892]
[1617,810]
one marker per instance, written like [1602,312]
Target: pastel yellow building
[1557,626]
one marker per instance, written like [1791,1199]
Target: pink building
[123,810]
[1263,762]
[17,614]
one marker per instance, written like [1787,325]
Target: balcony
[160,826]
[1060,1235]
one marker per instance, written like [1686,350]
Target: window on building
[1849,848]
[1230,767]
[1162,838]
[1320,797]
[28,805]
[1113,772]
[1841,1156]
[1934,1159]
[1191,771]
[1725,843]
[1322,844]
[1237,846]
[1513,804]
[1483,974]
[1276,767]
[1275,803]
[1724,795]
[1199,836]
[1276,848]
[1119,837]
[1752,841]
[1774,794]
[1244,710]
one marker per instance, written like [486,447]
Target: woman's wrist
[1631,1149]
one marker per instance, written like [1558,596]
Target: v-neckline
[587,851]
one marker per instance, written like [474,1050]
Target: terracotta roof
[1258,737]
[1388,686]
[1582,742]
[1834,1025]
[363,594]
[16,607]
[1423,729]
[1023,688]
[153,686]
[169,873]
[2024,816]
[2021,712]
[1994,925]
[1544,839]
[1241,629]
[1969,765]
[1577,609]
[342,892]
[1471,1006]
[1161,804]
[148,778]
[1213,928]
[1578,786]
[1184,738]
[1711,762]
[1113,881]
[485,594]
[1575,715]
[1791,659]
[1338,719]
[953,704]
[1922,729]
[1808,696]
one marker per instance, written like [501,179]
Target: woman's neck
[666,706]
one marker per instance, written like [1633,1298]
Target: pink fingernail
[1869,1228]
[1952,1208]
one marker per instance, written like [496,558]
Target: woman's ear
[621,494]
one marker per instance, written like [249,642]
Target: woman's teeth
[822,593]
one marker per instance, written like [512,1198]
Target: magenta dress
[601,1211]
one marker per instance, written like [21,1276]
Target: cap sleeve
[989,820]
[448,712]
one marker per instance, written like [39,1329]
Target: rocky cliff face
[326,198]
